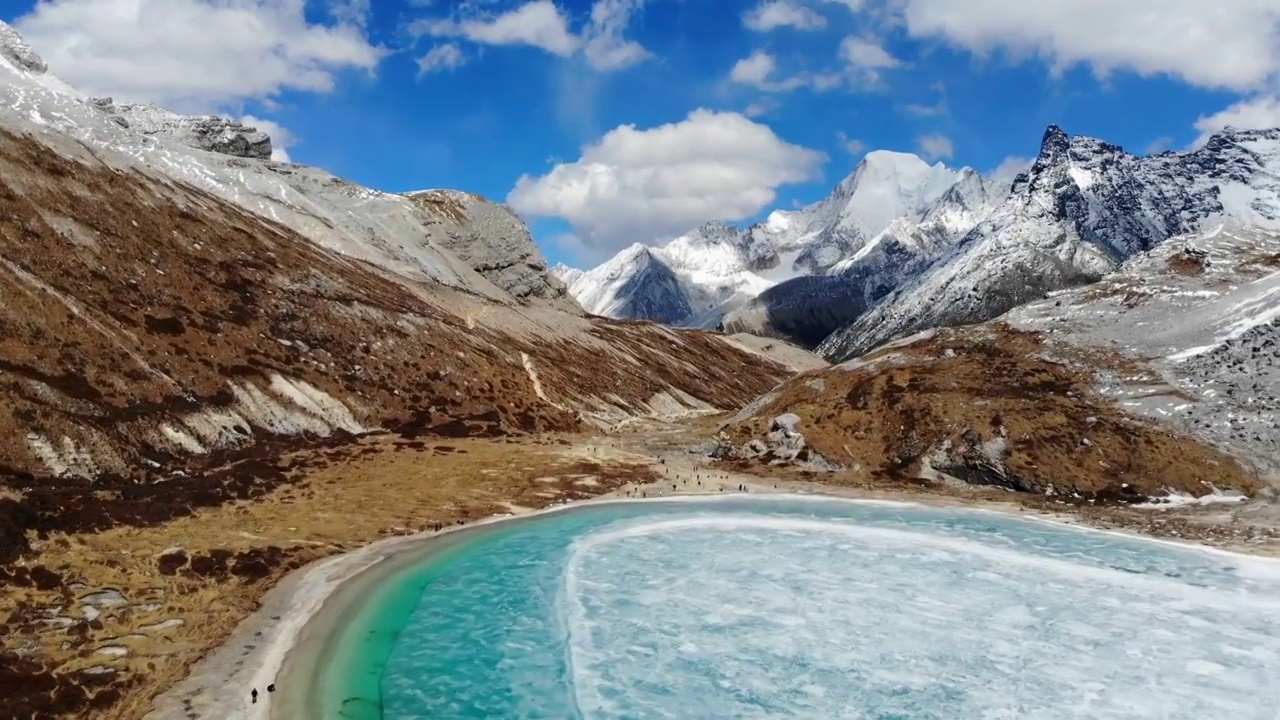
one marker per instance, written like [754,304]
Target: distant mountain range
[901,245]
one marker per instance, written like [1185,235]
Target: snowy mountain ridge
[1083,208]
[807,309]
[633,284]
[901,246]
[720,267]
[410,239]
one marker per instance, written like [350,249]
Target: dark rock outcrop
[203,132]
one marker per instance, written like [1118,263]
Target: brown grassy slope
[941,399]
[186,584]
[131,303]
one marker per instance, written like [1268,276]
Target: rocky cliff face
[16,50]
[495,243]
[205,132]
[1083,208]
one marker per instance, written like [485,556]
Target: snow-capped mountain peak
[886,186]
[567,275]
[1083,207]
[633,284]
[720,266]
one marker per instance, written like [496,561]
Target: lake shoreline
[298,618]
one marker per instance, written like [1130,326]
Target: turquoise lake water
[756,607]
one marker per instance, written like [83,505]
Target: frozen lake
[759,607]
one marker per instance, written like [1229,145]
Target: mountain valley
[217,368]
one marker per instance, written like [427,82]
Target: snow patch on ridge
[287,407]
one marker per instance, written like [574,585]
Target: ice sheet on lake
[772,617]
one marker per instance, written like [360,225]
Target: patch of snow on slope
[1211,335]
[1180,500]
[1082,177]
[1261,305]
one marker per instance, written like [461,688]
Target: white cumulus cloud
[866,59]
[867,53]
[1253,113]
[774,14]
[643,185]
[199,54]
[936,146]
[604,45]
[440,58]
[852,145]
[755,69]
[1232,44]
[539,24]
[759,68]
[760,107]
[544,25]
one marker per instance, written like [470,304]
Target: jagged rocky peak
[16,50]
[203,132]
[634,284]
[1058,150]
[971,191]
[1055,142]
[715,231]
[885,186]
[1236,154]
[1083,207]
[755,252]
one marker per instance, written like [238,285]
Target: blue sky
[409,94]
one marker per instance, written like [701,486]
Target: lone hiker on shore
[254,694]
